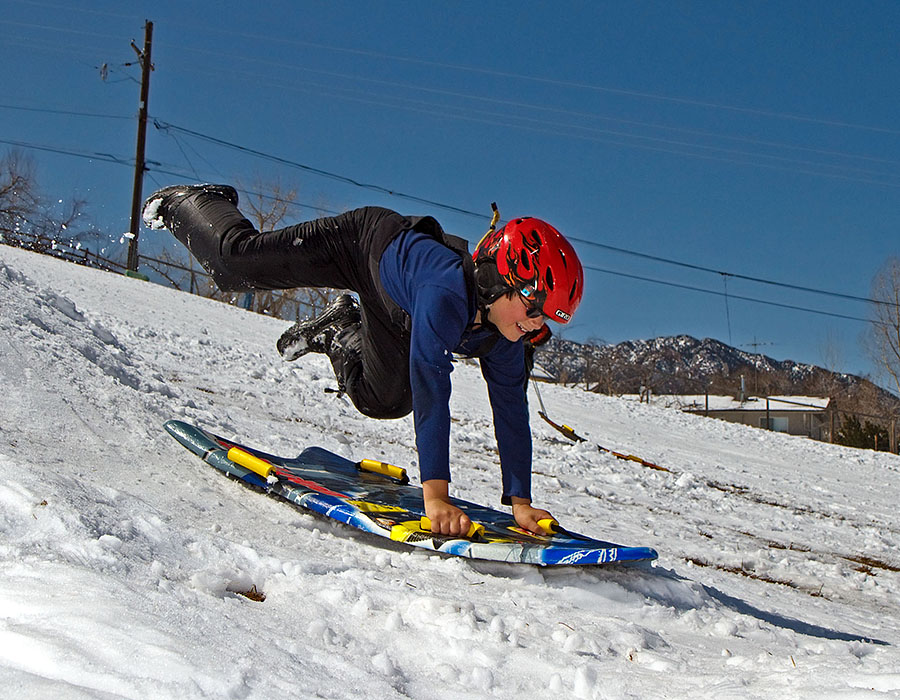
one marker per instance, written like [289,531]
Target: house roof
[729,403]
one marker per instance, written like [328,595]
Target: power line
[627,135]
[734,275]
[90,155]
[165,126]
[589,115]
[64,30]
[384,190]
[81,10]
[575,84]
[152,167]
[65,112]
[589,87]
[664,145]
[255,193]
[622,139]
[729,295]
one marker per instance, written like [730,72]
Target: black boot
[158,207]
[205,218]
[316,334]
[345,352]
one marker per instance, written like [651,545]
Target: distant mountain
[685,365]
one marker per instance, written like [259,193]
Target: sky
[674,141]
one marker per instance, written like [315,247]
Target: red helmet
[534,259]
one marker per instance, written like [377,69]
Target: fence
[280,304]
[69,250]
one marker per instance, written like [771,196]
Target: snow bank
[123,560]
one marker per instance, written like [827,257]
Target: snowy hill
[779,572]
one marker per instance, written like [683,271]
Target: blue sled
[323,482]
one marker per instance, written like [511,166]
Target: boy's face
[510,316]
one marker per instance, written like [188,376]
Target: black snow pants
[341,252]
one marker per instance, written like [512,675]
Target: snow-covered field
[121,554]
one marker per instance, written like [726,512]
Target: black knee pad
[399,410]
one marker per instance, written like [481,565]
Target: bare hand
[527,517]
[446,518]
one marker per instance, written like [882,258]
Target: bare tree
[176,265]
[50,229]
[19,200]
[27,220]
[551,357]
[832,352]
[883,341]
[829,382]
[590,355]
[607,371]
[267,204]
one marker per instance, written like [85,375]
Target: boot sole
[289,344]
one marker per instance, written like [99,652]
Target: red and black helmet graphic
[538,262]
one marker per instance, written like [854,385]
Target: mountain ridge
[683,364]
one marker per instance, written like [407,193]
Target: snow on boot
[315,334]
[161,203]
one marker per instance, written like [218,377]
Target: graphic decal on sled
[377,498]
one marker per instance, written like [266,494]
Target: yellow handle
[251,462]
[385,469]
[549,525]
[475,529]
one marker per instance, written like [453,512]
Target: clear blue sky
[758,138]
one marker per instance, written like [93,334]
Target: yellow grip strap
[550,525]
[383,468]
[475,529]
[251,462]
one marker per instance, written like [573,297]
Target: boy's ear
[538,337]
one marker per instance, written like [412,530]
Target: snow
[151,216]
[122,556]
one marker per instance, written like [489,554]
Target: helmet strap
[493,227]
[490,286]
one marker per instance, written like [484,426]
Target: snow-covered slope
[120,552]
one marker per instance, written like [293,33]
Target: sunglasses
[532,310]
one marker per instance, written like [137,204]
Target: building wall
[808,423]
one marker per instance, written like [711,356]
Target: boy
[421,298]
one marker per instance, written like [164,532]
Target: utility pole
[755,345]
[139,164]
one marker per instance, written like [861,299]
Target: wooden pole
[139,164]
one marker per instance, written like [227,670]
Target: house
[795,415]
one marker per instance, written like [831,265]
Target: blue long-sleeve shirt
[426,280]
